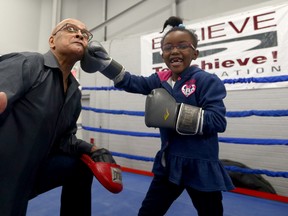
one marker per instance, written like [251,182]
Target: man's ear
[51,42]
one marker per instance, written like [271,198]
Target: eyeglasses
[74,29]
[180,46]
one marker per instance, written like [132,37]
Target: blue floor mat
[129,201]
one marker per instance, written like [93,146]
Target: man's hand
[3,102]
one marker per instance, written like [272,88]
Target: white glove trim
[189,120]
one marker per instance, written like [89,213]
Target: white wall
[26,24]
[19,25]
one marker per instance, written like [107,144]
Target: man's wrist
[93,149]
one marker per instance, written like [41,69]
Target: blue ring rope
[233,114]
[248,141]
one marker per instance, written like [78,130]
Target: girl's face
[178,52]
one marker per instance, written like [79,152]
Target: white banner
[245,50]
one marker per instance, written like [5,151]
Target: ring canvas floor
[129,200]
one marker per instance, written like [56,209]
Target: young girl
[184,162]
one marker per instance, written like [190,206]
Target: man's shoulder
[32,55]
[22,56]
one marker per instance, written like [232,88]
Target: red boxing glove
[105,169]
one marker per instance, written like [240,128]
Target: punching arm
[96,58]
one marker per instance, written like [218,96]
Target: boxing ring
[129,200]
[133,145]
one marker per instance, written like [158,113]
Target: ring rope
[270,79]
[231,114]
[232,140]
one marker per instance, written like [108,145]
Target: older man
[39,105]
